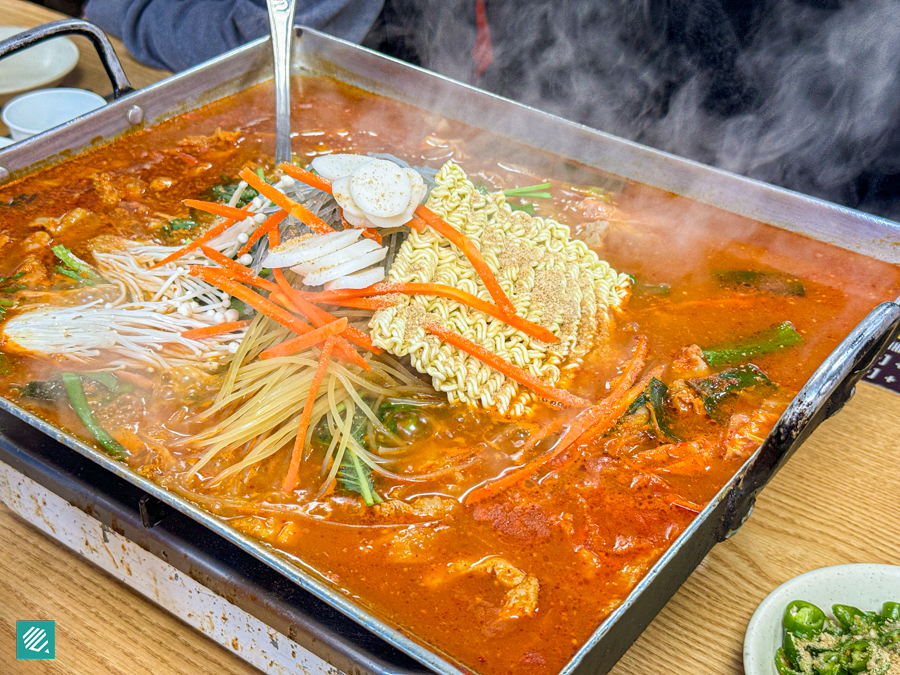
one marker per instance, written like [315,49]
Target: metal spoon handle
[281,25]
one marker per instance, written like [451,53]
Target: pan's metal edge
[290,569]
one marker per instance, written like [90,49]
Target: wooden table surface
[813,514]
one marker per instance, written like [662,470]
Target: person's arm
[178,34]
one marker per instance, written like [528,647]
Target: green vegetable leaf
[110,381]
[44,390]
[636,404]
[54,389]
[18,200]
[78,269]
[775,283]
[225,191]
[716,390]
[765,342]
[658,290]
[656,394]
[73,275]
[354,476]
[179,224]
[527,208]
[242,309]
[72,382]
[6,363]
[6,280]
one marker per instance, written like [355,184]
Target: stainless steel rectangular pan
[319,54]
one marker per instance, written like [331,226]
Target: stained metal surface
[318,54]
[247,637]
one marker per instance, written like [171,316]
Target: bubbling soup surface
[516,578]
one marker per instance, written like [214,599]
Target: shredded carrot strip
[222,210]
[314,337]
[212,331]
[209,235]
[296,209]
[367,232]
[271,223]
[357,337]
[274,237]
[308,177]
[511,370]
[373,234]
[343,349]
[603,414]
[319,316]
[237,270]
[444,291]
[417,224]
[471,252]
[290,480]
[626,400]
[372,304]
[561,460]
[262,305]
[218,277]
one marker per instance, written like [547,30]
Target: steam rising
[810,101]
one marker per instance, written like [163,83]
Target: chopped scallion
[72,382]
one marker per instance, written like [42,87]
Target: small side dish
[43,65]
[855,641]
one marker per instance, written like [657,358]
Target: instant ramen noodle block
[553,280]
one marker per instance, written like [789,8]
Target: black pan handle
[105,51]
[826,392]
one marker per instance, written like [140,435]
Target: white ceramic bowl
[43,65]
[864,586]
[37,111]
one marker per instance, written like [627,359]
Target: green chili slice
[890,638]
[783,665]
[831,665]
[891,611]
[792,649]
[852,618]
[803,619]
[765,342]
[856,655]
